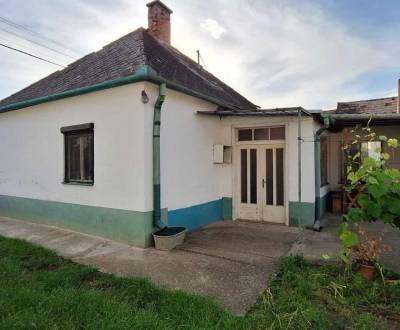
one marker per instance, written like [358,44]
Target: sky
[276,53]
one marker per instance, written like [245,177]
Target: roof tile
[124,57]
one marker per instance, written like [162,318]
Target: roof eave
[339,121]
[277,112]
[144,73]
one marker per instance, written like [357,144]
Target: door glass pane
[253,176]
[243,175]
[269,168]
[245,135]
[279,176]
[261,134]
[277,133]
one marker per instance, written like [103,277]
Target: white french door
[261,183]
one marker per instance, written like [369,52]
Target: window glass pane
[87,162]
[269,168]
[277,133]
[245,135]
[279,176]
[371,149]
[243,175]
[261,134]
[73,161]
[79,157]
[253,176]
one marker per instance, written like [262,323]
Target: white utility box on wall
[222,154]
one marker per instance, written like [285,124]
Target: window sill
[78,183]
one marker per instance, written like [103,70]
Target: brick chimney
[159,21]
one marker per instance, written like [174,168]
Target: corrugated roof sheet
[124,57]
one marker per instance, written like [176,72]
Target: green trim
[144,73]
[140,75]
[132,227]
[226,208]
[303,211]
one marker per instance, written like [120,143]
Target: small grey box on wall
[218,153]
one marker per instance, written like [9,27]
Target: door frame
[236,164]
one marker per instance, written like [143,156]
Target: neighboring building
[384,119]
[81,148]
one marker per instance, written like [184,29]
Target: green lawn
[39,290]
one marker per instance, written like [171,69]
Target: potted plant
[367,252]
[377,187]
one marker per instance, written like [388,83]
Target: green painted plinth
[302,214]
[132,227]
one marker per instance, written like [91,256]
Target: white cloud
[276,53]
[213,27]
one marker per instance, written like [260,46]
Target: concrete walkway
[227,260]
[312,245]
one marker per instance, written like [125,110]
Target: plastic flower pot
[368,272]
[169,238]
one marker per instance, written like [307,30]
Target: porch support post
[317,158]
[299,140]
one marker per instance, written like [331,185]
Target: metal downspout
[156,159]
[299,140]
[317,158]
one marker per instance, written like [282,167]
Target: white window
[371,149]
[261,134]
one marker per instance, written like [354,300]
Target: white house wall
[32,163]
[189,179]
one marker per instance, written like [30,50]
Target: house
[382,115]
[137,136]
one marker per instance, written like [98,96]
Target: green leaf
[344,255]
[348,238]
[393,143]
[372,180]
[377,191]
[382,138]
[354,214]
[344,226]
[357,155]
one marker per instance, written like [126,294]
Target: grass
[306,296]
[39,290]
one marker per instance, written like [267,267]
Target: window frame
[77,130]
[260,141]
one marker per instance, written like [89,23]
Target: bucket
[169,238]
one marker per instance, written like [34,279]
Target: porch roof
[340,120]
[276,112]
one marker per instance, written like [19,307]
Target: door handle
[264,182]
